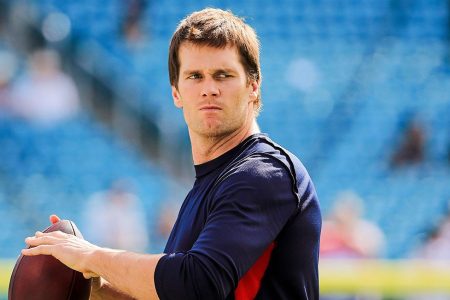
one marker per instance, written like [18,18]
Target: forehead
[196,57]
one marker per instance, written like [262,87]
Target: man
[250,226]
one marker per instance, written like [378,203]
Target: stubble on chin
[216,132]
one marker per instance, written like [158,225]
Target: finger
[29,238]
[60,234]
[54,219]
[57,233]
[41,240]
[42,249]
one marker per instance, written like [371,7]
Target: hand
[69,249]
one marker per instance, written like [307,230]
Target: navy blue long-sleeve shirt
[248,229]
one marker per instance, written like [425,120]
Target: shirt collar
[209,166]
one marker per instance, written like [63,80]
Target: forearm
[128,273]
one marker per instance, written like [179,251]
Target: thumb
[54,219]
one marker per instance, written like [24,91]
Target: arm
[128,272]
[126,275]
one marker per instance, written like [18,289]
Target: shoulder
[301,181]
[259,179]
[260,168]
[264,146]
[258,185]
[269,170]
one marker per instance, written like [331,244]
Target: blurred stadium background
[342,81]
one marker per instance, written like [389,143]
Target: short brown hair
[217,28]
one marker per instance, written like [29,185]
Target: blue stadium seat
[376,65]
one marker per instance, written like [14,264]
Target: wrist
[99,260]
[91,262]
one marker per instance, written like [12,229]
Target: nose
[210,88]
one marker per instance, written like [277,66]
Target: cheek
[187,91]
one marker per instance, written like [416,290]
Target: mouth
[210,108]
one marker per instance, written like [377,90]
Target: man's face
[213,91]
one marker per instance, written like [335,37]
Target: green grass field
[392,278]
[6,267]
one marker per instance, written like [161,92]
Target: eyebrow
[226,70]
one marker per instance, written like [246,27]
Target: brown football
[45,277]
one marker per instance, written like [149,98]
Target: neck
[205,149]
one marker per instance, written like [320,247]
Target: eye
[222,75]
[194,76]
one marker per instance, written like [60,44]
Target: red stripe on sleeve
[250,283]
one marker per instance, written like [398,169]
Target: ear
[176,97]
[254,85]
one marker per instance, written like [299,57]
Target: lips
[210,107]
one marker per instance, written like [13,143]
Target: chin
[214,128]
[215,131]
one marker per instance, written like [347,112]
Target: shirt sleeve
[250,207]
